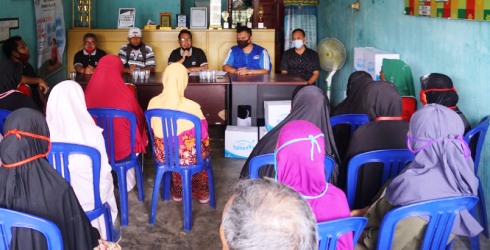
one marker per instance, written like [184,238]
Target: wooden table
[212,96]
[253,90]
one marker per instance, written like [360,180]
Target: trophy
[260,25]
[249,12]
[225,16]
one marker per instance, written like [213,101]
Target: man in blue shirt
[247,58]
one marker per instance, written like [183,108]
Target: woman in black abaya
[311,104]
[29,184]
[387,130]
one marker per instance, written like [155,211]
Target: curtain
[303,17]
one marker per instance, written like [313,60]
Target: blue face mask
[314,145]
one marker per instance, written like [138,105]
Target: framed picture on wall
[126,18]
[166,20]
[199,18]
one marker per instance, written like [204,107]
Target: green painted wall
[458,48]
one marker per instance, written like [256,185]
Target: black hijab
[10,77]
[382,100]
[448,98]
[311,104]
[36,188]
[356,89]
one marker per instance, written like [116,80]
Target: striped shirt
[136,58]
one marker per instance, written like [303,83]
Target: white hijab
[69,121]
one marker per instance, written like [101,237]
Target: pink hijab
[300,165]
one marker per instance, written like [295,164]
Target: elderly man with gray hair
[265,214]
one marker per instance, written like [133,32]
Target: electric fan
[332,57]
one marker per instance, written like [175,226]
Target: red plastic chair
[409,106]
[25,89]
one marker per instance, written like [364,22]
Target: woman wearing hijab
[311,104]
[352,104]
[69,121]
[442,160]
[10,77]
[438,88]
[400,74]
[299,161]
[106,89]
[387,130]
[30,185]
[175,81]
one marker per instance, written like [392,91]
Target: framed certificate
[181,20]
[166,20]
[126,18]
[199,18]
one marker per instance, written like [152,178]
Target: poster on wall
[126,18]
[451,9]
[51,39]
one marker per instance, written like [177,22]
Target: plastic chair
[105,119]
[3,116]
[268,159]
[354,120]
[441,214]
[394,161]
[10,219]
[409,106]
[25,89]
[476,137]
[58,157]
[329,232]
[172,162]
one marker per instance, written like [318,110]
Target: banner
[51,39]
[452,9]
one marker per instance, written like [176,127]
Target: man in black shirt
[300,60]
[192,58]
[86,59]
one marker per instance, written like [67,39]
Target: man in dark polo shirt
[86,59]
[300,60]
[192,58]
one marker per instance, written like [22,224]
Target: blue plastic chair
[354,120]
[3,116]
[268,159]
[10,219]
[329,232]
[105,119]
[58,157]
[394,161]
[441,214]
[479,133]
[172,162]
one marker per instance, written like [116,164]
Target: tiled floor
[167,233]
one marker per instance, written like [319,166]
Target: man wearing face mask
[86,59]
[191,57]
[16,50]
[136,54]
[300,60]
[247,58]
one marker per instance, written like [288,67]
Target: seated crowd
[279,211]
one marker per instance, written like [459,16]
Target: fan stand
[329,82]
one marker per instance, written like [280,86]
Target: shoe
[175,198]
[116,235]
[204,201]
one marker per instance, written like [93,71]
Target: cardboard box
[370,59]
[262,131]
[239,141]
[275,112]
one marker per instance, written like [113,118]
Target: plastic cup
[142,75]
[147,75]
[134,75]
[73,75]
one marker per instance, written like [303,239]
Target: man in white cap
[136,54]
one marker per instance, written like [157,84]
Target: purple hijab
[300,155]
[443,168]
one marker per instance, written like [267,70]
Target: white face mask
[298,44]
